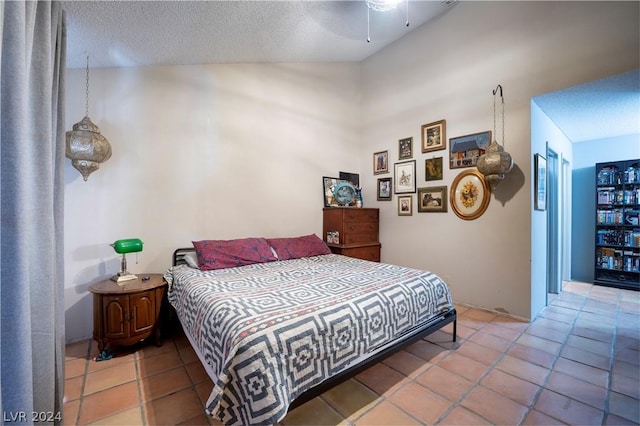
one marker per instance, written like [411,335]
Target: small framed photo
[405,205]
[434,136]
[384,189]
[333,237]
[433,169]
[464,151]
[380,162]
[540,167]
[470,195]
[405,148]
[405,177]
[432,199]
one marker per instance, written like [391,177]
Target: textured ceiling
[140,33]
[601,109]
[146,33]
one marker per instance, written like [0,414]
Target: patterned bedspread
[271,331]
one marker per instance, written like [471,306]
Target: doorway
[554,239]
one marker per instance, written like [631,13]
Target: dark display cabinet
[617,257]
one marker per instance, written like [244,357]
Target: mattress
[267,332]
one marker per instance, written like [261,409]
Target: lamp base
[123,276]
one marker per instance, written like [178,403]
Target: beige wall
[447,70]
[227,151]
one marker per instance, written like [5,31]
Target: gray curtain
[32,69]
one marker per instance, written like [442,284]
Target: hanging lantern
[495,163]
[85,146]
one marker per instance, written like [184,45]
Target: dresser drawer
[359,237]
[361,215]
[370,252]
[361,227]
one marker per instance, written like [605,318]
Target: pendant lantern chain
[86,106]
[494,113]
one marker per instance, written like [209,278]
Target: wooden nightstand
[127,313]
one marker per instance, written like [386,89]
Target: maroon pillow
[297,247]
[219,254]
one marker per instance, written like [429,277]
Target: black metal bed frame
[411,336]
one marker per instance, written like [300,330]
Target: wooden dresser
[356,230]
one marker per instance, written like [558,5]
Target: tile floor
[577,363]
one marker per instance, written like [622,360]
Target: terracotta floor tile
[196,372]
[70,412]
[501,331]
[108,402]
[519,390]
[314,412]
[462,416]
[150,349]
[577,389]
[73,388]
[583,372]
[75,367]
[126,418]
[109,377]
[464,332]
[591,345]
[188,355]
[204,390]
[463,366]
[567,410]
[200,419]
[351,398]
[77,350]
[407,363]
[586,357]
[510,322]
[158,364]
[94,366]
[494,407]
[421,403]
[173,409]
[539,343]
[479,314]
[523,369]
[427,351]
[594,334]
[632,356]
[382,379]
[445,383]
[536,418]
[385,413]
[163,384]
[613,420]
[624,406]
[490,341]
[532,355]
[626,369]
[482,354]
[625,385]
[548,333]
[624,341]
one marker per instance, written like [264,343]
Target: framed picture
[469,195]
[328,185]
[464,151]
[434,136]
[384,189]
[405,205]
[380,162]
[432,199]
[405,148]
[540,166]
[433,169]
[405,177]
[352,178]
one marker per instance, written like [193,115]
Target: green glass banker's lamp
[130,245]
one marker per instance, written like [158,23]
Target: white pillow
[192,260]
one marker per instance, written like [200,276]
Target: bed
[276,330]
